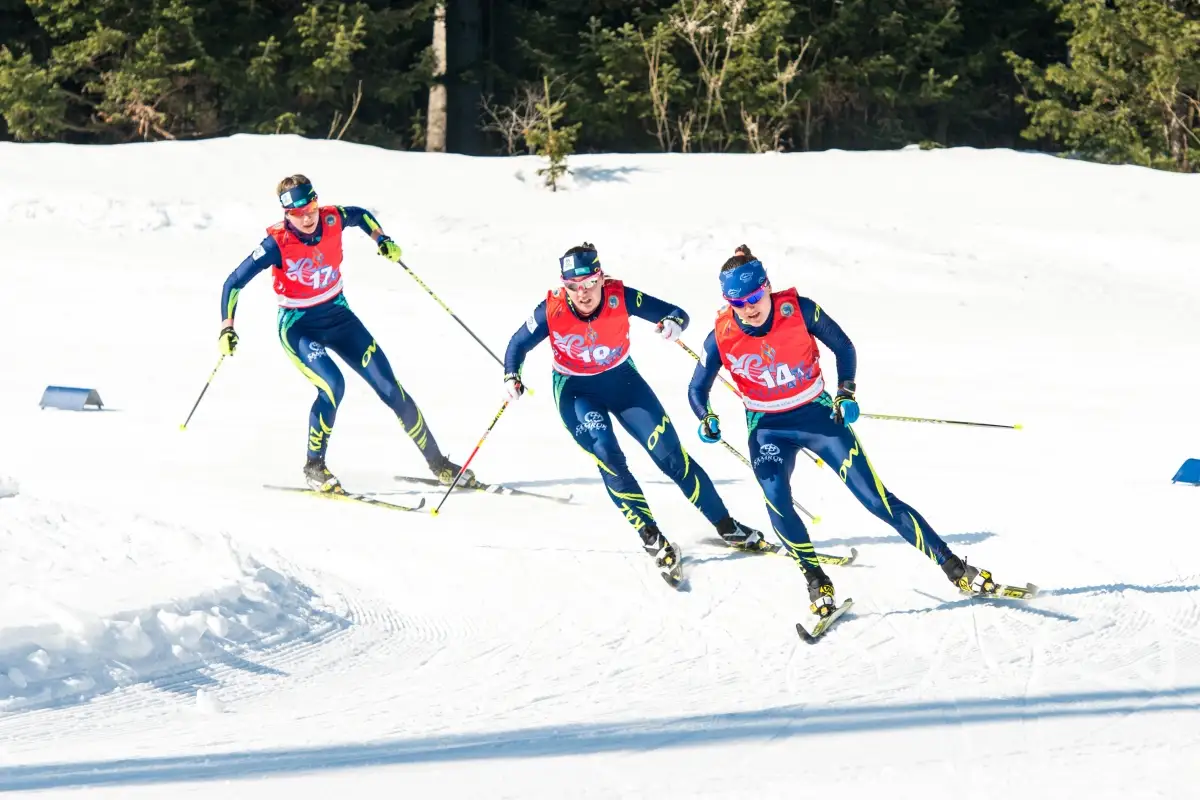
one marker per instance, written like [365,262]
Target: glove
[670,328]
[513,388]
[845,407]
[389,249]
[710,429]
[228,341]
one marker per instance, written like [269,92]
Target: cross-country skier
[587,319]
[768,340]
[304,254]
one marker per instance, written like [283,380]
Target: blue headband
[579,265]
[298,196]
[743,280]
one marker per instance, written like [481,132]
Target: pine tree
[548,141]
[1131,90]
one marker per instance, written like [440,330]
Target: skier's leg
[358,348]
[773,457]
[304,346]
[773,452]
[841,449]
[587,420]
[642,415]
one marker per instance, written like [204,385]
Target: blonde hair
[291,182]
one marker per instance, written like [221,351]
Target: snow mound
[97,603]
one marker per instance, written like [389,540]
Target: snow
[170,628]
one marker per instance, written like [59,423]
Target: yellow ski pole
[446,308]
[207,383]
[1015,427]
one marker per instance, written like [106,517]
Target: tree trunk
[465,37]
[435,132]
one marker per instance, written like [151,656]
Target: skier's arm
[527,337]
[266,255]
[702,378]
[830,334]
[355,217]
[651,309]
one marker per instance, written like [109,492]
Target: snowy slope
[170,628]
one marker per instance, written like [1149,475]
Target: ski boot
[445,471]
[667,556]
[320,479]
[820,592]
[968,579]
[742,537]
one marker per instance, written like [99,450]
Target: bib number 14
[783,375]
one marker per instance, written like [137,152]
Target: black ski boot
[968,579]
[820,592]
[445,471]
[319,478]
[742,537]
[667,556]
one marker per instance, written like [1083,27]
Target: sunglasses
[584,284]
[302,211]
[748,300]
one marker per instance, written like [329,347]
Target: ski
[1005,591]
[822,627]
[348,496]
[488,488]
[673,574]
[780,550]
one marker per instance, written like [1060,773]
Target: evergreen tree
[1130,92]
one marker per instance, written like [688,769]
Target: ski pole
[1016,427]
[207,383]
[746,461]
[734,389]
[446,308]
[466,464]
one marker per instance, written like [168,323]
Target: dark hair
[586,247]
[742,256]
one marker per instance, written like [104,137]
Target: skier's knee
[333,388]
[391,394]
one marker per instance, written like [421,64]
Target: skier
[768,341]
[594,380]
[304,254]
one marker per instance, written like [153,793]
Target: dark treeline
[1110,80]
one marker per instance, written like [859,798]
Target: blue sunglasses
[748,300]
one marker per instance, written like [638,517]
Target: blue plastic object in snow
[1189,472]
[70,398]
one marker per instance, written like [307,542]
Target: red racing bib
[311,273]
[589,348]
[776,372]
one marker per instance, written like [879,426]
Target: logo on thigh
[315,350]
[768,453]
[592,421]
